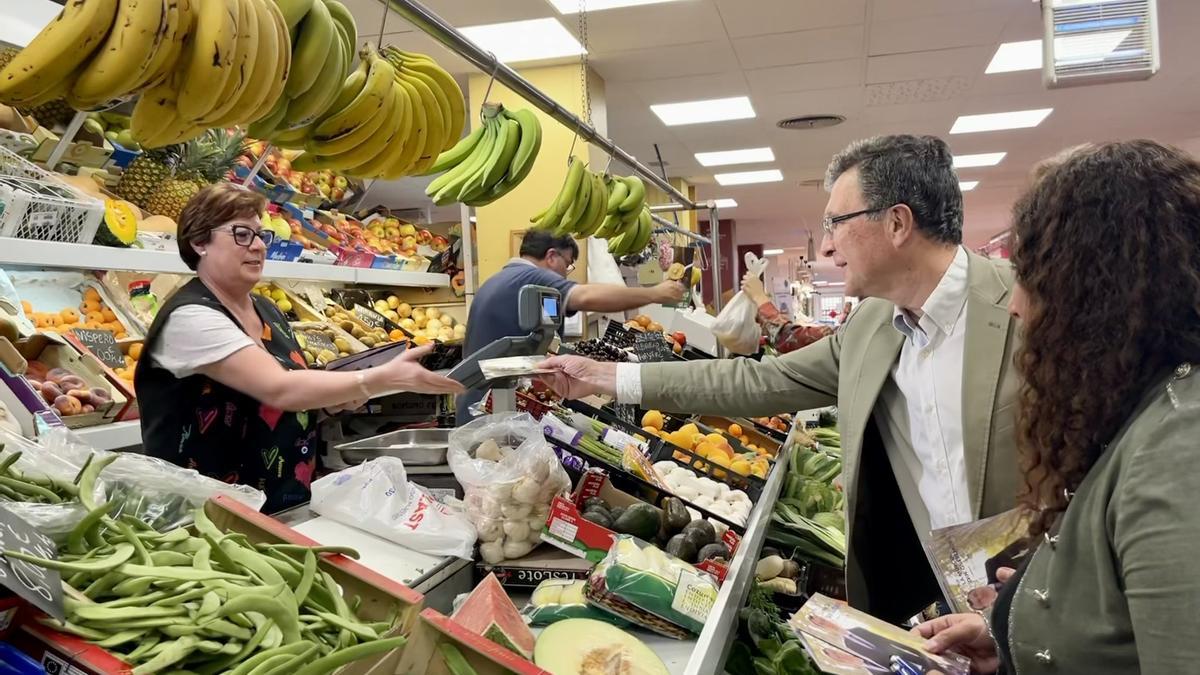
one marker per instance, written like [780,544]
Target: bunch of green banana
[579,208]
[324,36]
[627,225]
[489,162]
[390,118]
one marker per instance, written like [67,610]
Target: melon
[489,612]
[590,647]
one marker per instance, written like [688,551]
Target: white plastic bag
[46,459]
[376,497]
[509,474]
[736,327]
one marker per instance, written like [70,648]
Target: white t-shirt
[196,336]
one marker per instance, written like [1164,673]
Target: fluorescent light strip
[516,41]
[1018,119]
[1069,49]
[726,203]
[967,185]
[698,112]
[981,159]
[725,157]
[572,6]
[748,177]
[772,251]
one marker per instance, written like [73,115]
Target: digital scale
[540,312]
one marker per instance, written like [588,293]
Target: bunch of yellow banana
[390,118]
[491,161]
[323,51]
[628,225]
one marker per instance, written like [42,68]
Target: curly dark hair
[1108,250]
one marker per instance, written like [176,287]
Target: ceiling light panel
[572,6]
[1068,49]
[981,159]
[967,185]
[748,177]
[1018,119]
[772,251]
[533,40]
[727,203]
[698,112]
[726,157]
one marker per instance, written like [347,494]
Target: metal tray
[417,447]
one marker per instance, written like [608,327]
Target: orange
[120,334]
[135,351]
[69,316]
[653,418]
[715,438]
[108,314]
[93,325]
[26,307]
[397,335]
[53,320]
[735,429]
[94,316]
[91,306]
[39,320]
[91,294]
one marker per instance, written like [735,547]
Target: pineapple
[52,113]
[203,161]
[146,173]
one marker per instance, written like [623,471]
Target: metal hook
[495,69]
[571,152]
[610,156]
[386,8]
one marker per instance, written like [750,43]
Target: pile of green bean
[19,487]
[205,603]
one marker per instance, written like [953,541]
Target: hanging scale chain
[585,92]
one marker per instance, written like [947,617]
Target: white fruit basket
[35,205]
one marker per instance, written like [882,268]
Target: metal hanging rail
[423,18]
[672,227]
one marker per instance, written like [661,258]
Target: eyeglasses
[243,235]
[570,268]
[830,223]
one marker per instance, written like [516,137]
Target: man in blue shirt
[545,260]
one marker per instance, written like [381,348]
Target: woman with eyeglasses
[225,389]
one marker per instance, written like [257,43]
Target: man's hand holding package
[576,377]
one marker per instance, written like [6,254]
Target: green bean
[456,663]
[77,539]
[177,573]
[87,479]
[175,536]
[100,613]
[245,667]
[74,629]
[381,627]
[9,461]
[133,586]
[181,598]
[299,550]
[228,629]
[358,629]
[103,585]
[122,554]
[290,574]
[156,622]
[142,649]
[293,662]
[204,526]
[174,653]
[118,639]
[11,494]
[224,648]
[63,487]
[210,605]
[168,558]
[138,546]
[272,607]
[272,663]
[31,489]
[219,555]
[306,577]
[86,463]
[137,601]
[341,657]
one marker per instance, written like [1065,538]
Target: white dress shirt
[928,383]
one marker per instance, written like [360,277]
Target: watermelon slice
[489,612]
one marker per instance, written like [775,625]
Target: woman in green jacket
[1108,265]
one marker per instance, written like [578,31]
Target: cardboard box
[567,529]
[422,656]
[380,596]
[16,393]
[56,353]
[130,411]
[87,149]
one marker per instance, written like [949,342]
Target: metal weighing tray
[416,447]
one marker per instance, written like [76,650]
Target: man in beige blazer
[921,372]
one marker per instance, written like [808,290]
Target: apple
[679,338]
[424,236]
[284,164]
[341,183]
[245,162]
[281,228]
[323,188]
[296,182]
[272,167]
[337,194]
[408,242]
[407,230]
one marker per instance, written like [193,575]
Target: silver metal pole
[672,227]
[262,159]
[423,18]
[714,233]
[467,242]
[671,208]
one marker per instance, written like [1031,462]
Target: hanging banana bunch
[595,205]
[491,161]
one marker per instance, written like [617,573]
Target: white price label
[42,220]
[694,596]
[619,440]
[563,530]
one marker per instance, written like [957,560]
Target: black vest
[199,423]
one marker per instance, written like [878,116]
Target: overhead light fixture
[981,159]
[572,6]
[967,185]
[772,251]
[748,177]
[532,40]
[697,112]
[747,156]
[727,203]
[1068,49]
[1018,119]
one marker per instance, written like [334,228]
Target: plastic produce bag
[509,474]
[46,461]
[377,497]
[736,327]
[557,599]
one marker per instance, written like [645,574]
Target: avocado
[714,551]
[700,532]
[680,547]
[594,502]
[675,515]
[616,513]
[639,520]
[599,517]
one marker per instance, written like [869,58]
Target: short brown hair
[210,208]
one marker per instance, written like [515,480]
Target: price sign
[40,586]
[317,341]
[370,317]
[651,347]
[103,345]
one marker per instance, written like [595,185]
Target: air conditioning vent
[1098,41]
[810,122]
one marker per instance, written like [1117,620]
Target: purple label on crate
[559,430]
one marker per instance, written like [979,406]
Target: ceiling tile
[654,63]
[921,34]
[694,88]
[894,10]
[369,13]
[649,25]
[806,76]
[458,13]
[963,61]
[810,46]
[763,17]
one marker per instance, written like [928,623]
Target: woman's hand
[966,634]
[752,286]
[405,373]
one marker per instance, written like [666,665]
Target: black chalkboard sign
[651,347]
[317,341]
[102,344]
[370,317]
[40,586]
